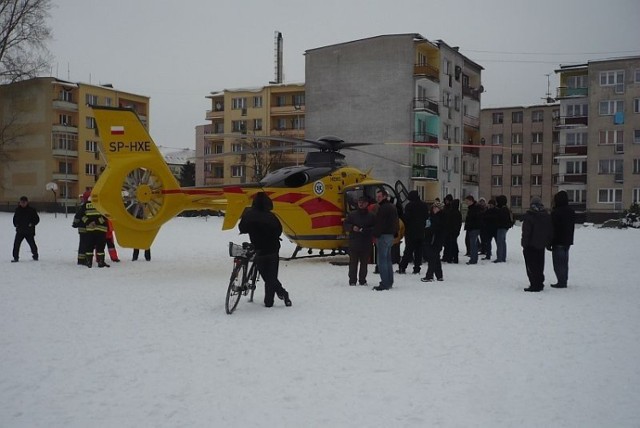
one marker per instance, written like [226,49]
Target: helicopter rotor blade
[382,157]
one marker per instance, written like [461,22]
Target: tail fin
[136,190]
[237,200]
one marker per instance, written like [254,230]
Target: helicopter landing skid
[295,256]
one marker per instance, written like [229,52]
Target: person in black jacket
[452,224]
[504,222]
[472,226]
[25,219]
[264,231]
[537,232]
[385,228]
[434,235]
[563,219]
[359,225]
[415,217]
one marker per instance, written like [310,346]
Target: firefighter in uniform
[96,233]
[82,231]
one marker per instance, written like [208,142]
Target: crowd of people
[432,229]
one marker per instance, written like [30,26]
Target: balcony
[564,92]
[424,172]
[429,71]
[287,132]
[572,179]
[425,138]
[214,114]
[572,150]
[471,121]
[60,127]
[572,121]
[473,151]
[64,153]
[425,104]
[288,110]
[470,178]
[64,105]
[64,176]
[471,92]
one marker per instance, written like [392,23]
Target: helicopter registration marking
[131,146]
[318,188]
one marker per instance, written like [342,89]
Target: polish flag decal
[117,130]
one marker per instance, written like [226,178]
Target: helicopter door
[401,192]
[352,194]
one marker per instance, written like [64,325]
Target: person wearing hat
[434,238]
[537,233]
[359,225]
[25,219]
[415,217]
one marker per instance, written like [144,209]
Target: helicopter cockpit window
[296,180]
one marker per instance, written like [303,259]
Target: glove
[550,247]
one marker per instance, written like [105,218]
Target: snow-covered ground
[148,344]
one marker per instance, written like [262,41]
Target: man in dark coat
[488,228]
[472,226]
[452,224]
[537,232]
[563,219]
[504,222]
[434,235]
[415,217]
[264,231]
[25,219]
[385,228]
[359,225]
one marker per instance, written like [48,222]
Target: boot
[113,255]
[88,261]
[101,263]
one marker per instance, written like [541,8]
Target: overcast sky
[177,52]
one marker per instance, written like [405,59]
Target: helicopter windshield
[352,195]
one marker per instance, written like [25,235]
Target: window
[237,170]
[239,125]
[281,100]
[516,138]
[577,195]
[577,167]
[536,159]
[609,196]
[577,110]
[610,78]
[281,124]
[498,118]
[635,195]
[637,76]
[91,99]
[496,180]
[257,102]
[516,159]
[446,131]
[536,137]
[456,102]
[91,146]
[90,122]
[516,180]
[456,134]
[238,103]
[555,136]
[516,201]
[446,99]
[298,100]
[65,141]
[91,169]
[537,116]
[65,95]
[65,168]
[636,166]
[609,166]
[636,136]
[207,151]
[516,117]
[636,105]
[218,171]
[611,137]
[218,149]
[536,180]
[496,159]
[497,139]
[107,101]
[574,82]
[257,124]
[610,107]
[65,119]
[236,147]
[577,138]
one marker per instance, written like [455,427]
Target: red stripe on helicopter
[317,205]
[326,221]
[290,198]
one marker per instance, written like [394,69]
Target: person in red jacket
[113,253]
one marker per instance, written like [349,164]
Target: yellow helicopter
[138,192]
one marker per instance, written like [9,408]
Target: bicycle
[243,276]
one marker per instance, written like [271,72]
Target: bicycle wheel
[234,291]
[253,278]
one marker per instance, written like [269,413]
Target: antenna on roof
[278,51]
[548,98]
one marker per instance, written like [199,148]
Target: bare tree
[266,156]
[23,34]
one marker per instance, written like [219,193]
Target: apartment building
[599,135]
[415,101]
[50,141]
[276,110]
[518,154]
